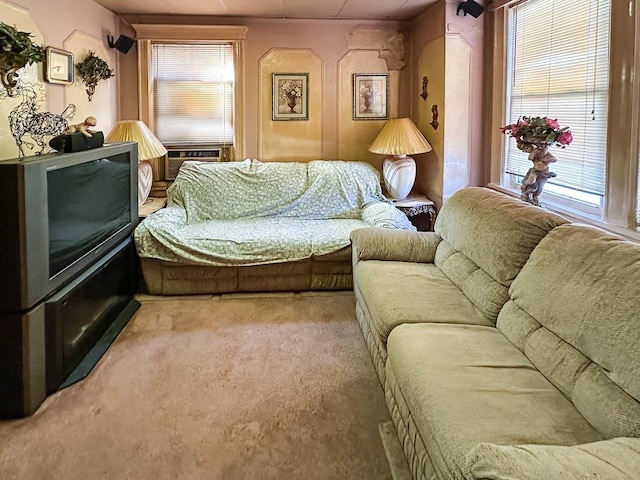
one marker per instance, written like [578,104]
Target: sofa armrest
[376,243]
[614,459]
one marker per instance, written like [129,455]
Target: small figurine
[537,176]
[83,128]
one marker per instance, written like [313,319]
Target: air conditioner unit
[177,155]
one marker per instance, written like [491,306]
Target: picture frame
[290,96]
[58,66]
[370,96]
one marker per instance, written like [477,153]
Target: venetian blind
[558,66]
[193,88]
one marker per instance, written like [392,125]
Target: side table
[420,211]
[151,205]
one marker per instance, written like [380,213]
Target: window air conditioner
[177,155]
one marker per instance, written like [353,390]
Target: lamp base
[145,180]
[399,173]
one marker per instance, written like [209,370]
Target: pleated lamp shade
[400,136]
[136,131]
[149,147]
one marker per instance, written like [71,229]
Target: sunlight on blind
[558,66]
[193,93]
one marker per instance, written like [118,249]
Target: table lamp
[399,138]
[149,147]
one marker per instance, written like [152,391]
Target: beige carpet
[231,387]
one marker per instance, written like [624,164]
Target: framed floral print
[290,96]
[370,96]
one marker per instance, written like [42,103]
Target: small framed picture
[58,66]
[370,96]
[290,96]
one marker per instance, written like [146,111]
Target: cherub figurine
[83,128]
[536,177]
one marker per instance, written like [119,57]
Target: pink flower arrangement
[538,131]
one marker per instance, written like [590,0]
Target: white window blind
[193,88]
[558,67]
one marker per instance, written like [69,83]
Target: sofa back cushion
[316,190]
[486,239]
[575,313]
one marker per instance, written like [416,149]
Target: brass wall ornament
[425,82]
[434,117]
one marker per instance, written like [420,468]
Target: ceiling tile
[412,8]
[353,9]
[370,9]
[312,9]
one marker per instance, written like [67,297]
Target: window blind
[558,66]
[193,88]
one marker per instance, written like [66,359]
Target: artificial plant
[16,51]
[93,69]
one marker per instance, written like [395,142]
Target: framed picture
[290,96]
[370,96]
[58,66]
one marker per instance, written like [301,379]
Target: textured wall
[328,41]
[448,49]
[290,140]
[57,20]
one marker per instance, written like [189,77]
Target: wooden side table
[151,205]
[420,211]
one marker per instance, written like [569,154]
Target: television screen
[87,203]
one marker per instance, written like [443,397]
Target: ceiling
[309,9]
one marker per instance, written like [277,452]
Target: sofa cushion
[574,313]
[467,384]
[486,239]
[394,293]
[614,459]
[244,242]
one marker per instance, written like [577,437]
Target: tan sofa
[507,342]
[253,226]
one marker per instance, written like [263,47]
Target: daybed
[507,342]
[252,226]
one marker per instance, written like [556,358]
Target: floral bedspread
[253,213]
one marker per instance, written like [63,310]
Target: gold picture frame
[58,66]
[290,96]
[370,96]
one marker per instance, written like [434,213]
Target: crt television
[60,213]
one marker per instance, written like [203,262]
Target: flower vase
[292,101]
[368,100]
[536,177]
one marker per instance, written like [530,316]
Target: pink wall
[327,38]
[57,19]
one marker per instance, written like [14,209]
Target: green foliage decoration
[93,69]
[17,49]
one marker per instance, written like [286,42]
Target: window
[209,105]
[193,92]
[557,61]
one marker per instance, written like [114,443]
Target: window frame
[235,34]
[623,125]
